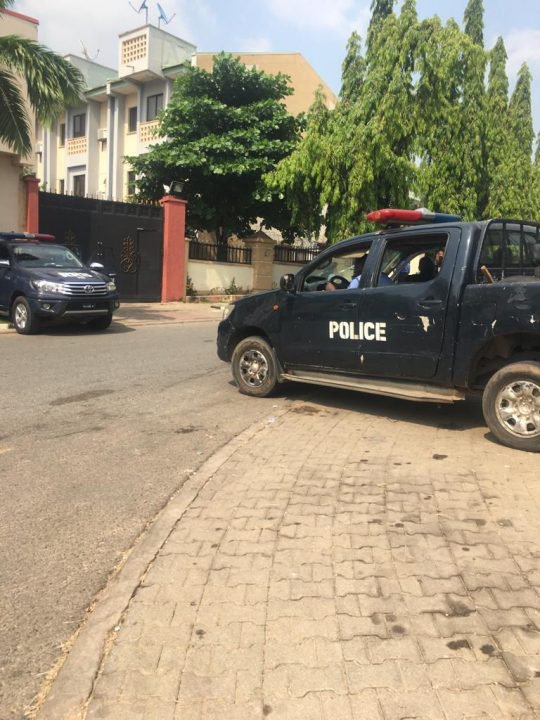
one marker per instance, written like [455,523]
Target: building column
[262,260]
[173,286]
[32,203]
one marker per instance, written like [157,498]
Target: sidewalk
[324,565]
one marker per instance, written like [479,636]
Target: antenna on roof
[86,54]
[143,6]
[162,16]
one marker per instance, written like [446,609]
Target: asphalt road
[97,431]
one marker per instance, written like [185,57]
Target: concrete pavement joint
[72,687]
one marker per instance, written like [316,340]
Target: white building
[83,153]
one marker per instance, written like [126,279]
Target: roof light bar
[395,216]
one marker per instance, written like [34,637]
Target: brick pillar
[173,285]
[32,203]
[262,260]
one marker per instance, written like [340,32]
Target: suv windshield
[40,256]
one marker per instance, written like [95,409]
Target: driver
[358,267]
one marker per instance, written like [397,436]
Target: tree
[474,21]
[221,133]
[380,10]
[353,69]
[497,137]
[449,93]
[51,84]
[518,200]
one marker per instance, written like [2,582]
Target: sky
[316,28]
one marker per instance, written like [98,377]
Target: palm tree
[51,84]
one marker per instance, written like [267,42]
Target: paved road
[97,432]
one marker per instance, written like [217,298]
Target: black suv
[42,282]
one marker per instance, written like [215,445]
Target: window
[335,272]
[79,185]
[132,119]
[412,259]
[509,248]
[4,252]
[79,125]
[62,135]
[61,186]
[131,183]
[154,105]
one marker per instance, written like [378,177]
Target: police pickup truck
[441,309]
[42,282]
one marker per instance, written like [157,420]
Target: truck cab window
[336,272]
[412,260]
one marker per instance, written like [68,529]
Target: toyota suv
[41,282]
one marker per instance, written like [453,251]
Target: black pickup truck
[439,310]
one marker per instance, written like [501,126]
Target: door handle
[429,303]
[347,306]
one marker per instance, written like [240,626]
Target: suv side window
[412,259]
[336,269]
[4,252]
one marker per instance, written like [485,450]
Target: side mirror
[97,266]
[5,263]
[287,282]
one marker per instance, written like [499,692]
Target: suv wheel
[511,405]
[101,323]
[254,367]
[22,317]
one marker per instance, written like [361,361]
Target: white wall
[207,276]
[280,269]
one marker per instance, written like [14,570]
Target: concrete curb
[72,688]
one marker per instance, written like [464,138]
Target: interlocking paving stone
[303,582]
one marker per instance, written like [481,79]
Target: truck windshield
[41,256]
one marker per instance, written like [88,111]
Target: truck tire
[511,405]
[22,317]
[254,367]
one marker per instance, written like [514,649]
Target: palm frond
[14,126]
[52,81]
[4,4]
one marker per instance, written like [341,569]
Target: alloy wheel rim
[518,408]
[253,368]
[21,316]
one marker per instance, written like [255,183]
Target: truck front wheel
[254,367]
[511,405]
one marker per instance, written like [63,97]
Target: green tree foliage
[353,70]
[221,132]
[51,84]
[380,10]
[474,21]
[517,168]
[497,136]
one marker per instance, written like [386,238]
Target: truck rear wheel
[511,405]
[254,367]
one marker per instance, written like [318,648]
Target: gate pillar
[262,259]
[32,203]
[174,249]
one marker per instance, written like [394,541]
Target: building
[13,167]
[83,153]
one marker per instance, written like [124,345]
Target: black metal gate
[124,237]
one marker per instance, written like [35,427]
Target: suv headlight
[46,286]
[111,287]
[227,311]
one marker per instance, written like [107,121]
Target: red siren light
[396,216]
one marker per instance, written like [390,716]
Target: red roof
[21,16]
